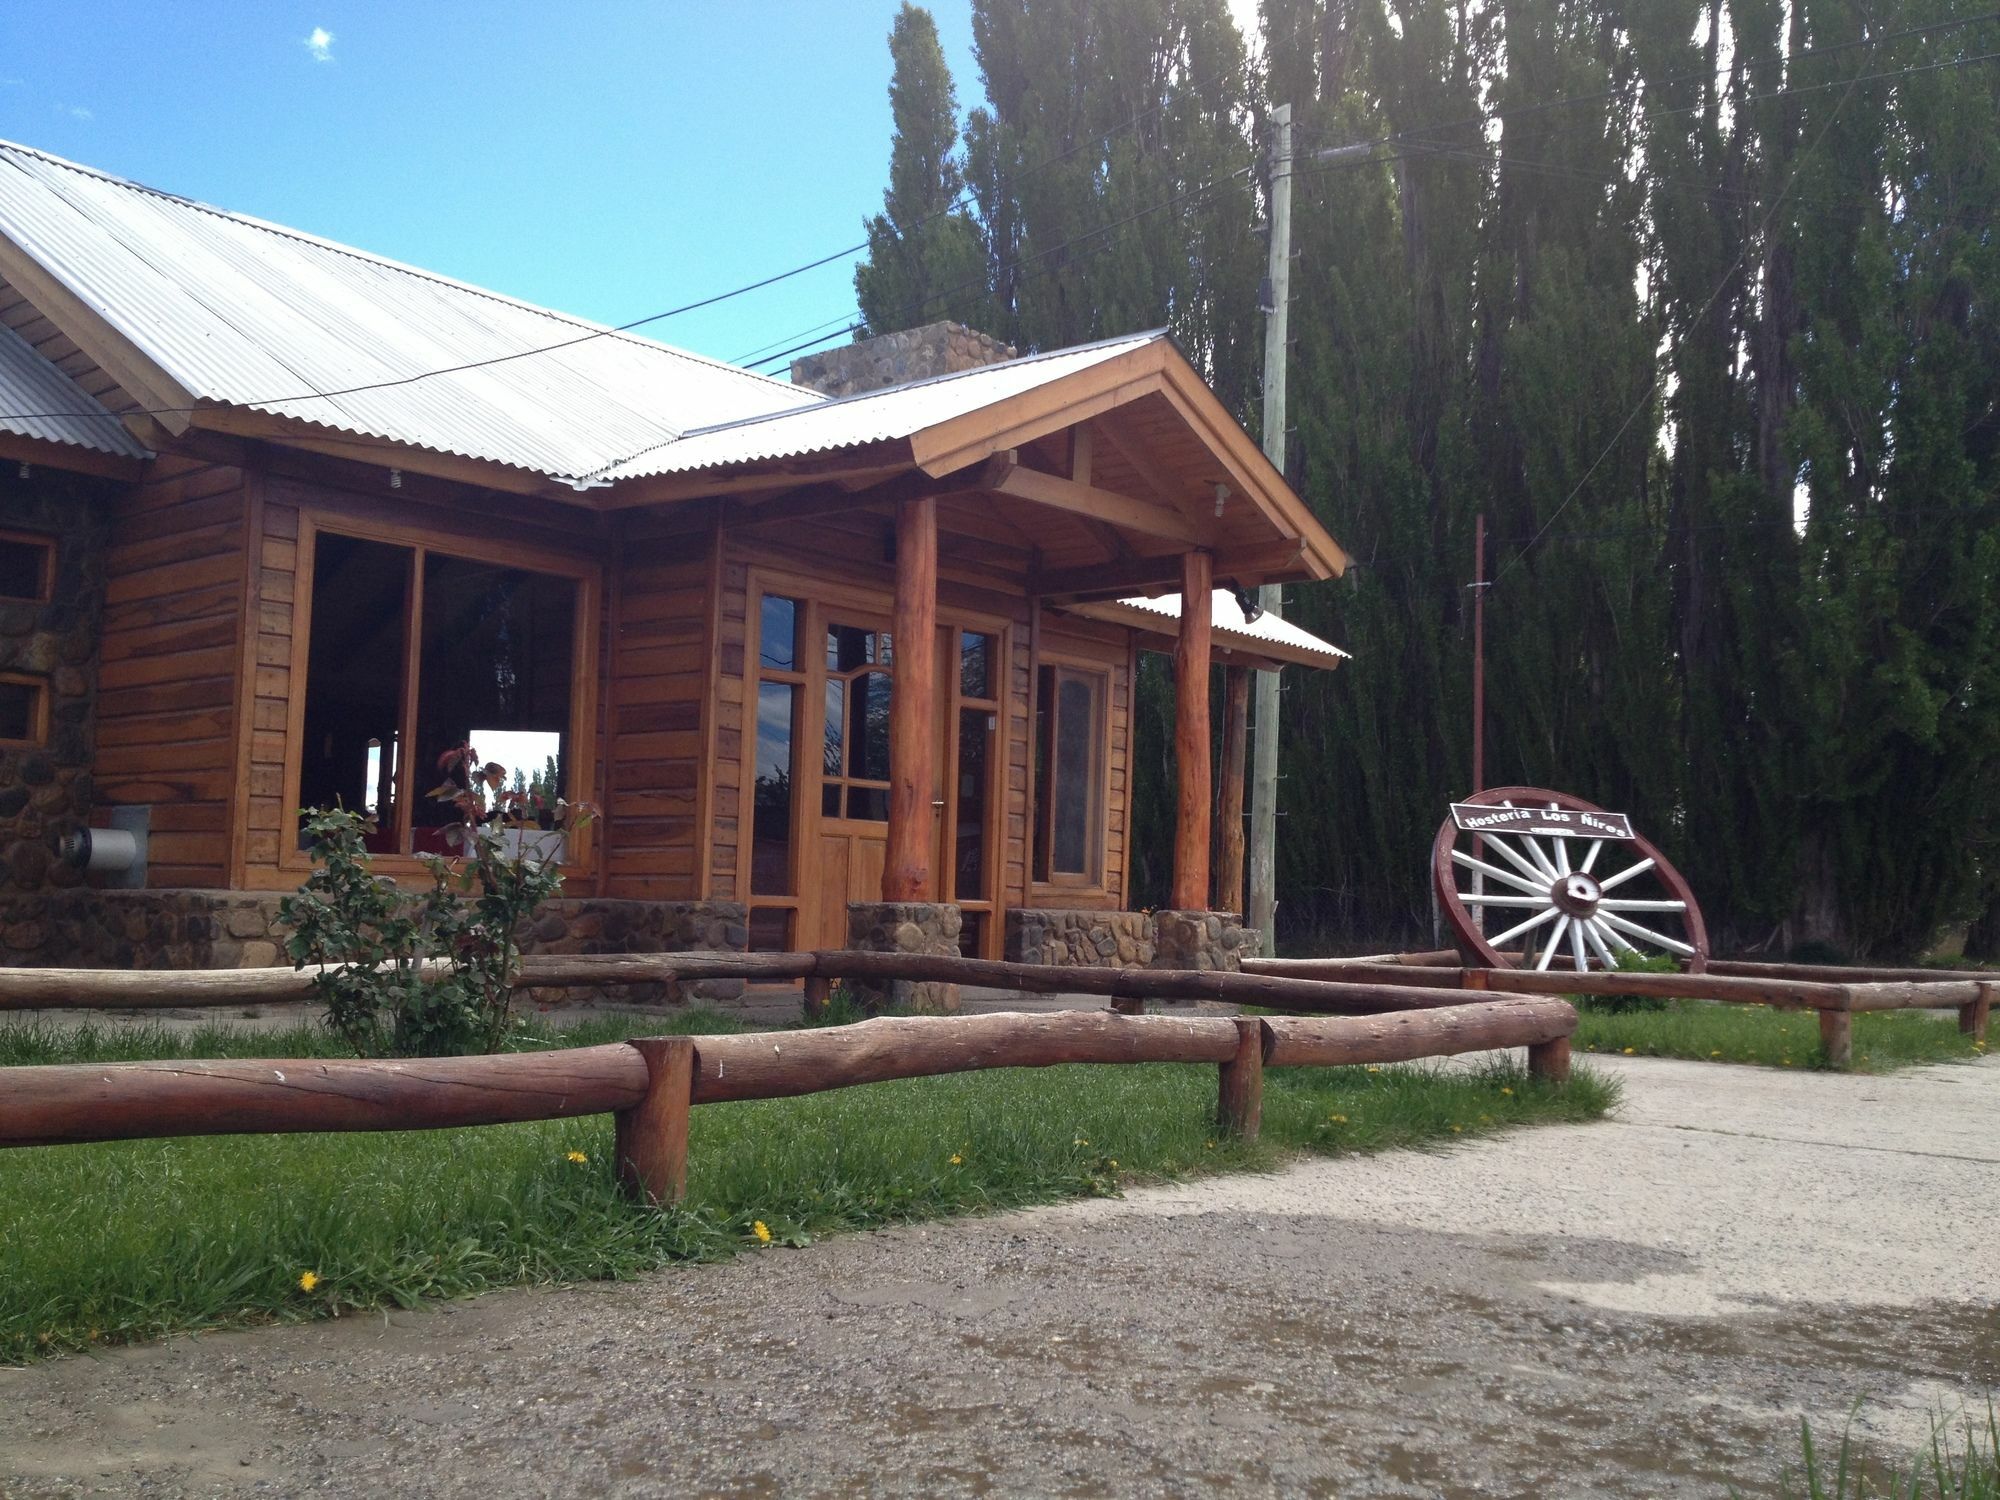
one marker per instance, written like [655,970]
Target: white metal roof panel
[872,416]
[1266,633]
[38,401]
[253,314]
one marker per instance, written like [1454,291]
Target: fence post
[1836,1031]
[1972,1018]
[819,995]
[652,1136]
[1240,1104]
[1549,1060]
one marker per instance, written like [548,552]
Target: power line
[958,204]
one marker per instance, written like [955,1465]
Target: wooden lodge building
[280,521]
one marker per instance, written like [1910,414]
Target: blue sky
[611,160]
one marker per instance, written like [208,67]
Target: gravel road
[1640,1307]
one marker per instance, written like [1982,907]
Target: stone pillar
[1200,940]
[905,927]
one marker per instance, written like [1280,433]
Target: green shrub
[1631,963]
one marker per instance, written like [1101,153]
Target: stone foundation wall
[194,929]
[45,789]
[1200,940]
[905,927]
[1127,939]
[1088,939]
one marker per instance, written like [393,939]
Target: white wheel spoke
[1644,934]
[1625,905]
[1528,926]
[1624,875]
[1546,865]
[1590,855]
[1597,942]
[1475,899]
[1561,847]
[1494,872]
[1576,947]
[1540,880]
[1555,941]
[1611,937]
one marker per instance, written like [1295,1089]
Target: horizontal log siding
[166,702]
[276,582]
[656,750]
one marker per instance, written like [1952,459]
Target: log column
[906,870]
[1229,805]
[1192,818]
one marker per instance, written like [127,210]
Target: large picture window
[1069,772]
[493,666]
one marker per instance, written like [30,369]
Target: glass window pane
[869,802]
[24,568]
[836,725]
[20,715]
[868,728]
[771,817]
[975,665]
[497,661]
[848,647]
[1075,758]
[770,929]
[354,681]
[777,633]
[975,738]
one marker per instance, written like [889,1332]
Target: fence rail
[650,1084]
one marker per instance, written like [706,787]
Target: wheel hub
[1576,895]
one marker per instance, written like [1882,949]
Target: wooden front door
[818,782]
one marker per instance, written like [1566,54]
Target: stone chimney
[895,358]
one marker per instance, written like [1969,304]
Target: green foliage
[1631,963]
[1961,1462]
[1710,1031]
[428,973]
[134,1240]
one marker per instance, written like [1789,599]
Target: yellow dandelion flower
[1373,1069]
[1505,1090]
[1338,1119]
[1716,1053]
[1208,1146]
[1111,1162]
[308,1280]
[1631,1051]
[1786,1061]
[762,1231]
[578,1157]
[957,1160]
[1082,1140]
[1457,1129]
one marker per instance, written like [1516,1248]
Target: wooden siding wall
[656,739]
[167,688]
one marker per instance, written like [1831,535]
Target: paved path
[1634,1308]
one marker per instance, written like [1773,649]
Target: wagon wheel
[1561,909]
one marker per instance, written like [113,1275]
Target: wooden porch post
[1195,784]
[906,868]
[1229,805]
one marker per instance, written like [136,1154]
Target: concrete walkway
[1641,1307]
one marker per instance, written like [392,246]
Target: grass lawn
[1961,1462]
[1712,1032]
[132,1240]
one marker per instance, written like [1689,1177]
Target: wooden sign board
[1543,822]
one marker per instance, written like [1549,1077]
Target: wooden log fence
[649,1085]
[1785,986]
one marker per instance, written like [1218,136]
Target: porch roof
[1267,642]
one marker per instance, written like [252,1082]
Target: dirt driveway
[1641,1307]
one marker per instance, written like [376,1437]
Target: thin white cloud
[319,42]
[77,111]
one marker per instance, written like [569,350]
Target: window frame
[586,573]
[1099,676]
[42,542]
[38,714]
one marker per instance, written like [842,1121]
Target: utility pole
[1479,653]
[1264,759]
[1277,320]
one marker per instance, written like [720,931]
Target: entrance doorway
[818,780]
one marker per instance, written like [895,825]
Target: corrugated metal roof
[256,315]
[872,416]
[37,400]
[1267,633]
